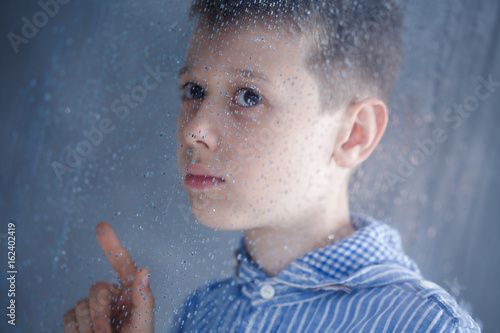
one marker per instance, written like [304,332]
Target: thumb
[142,297]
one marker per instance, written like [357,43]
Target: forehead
[243,46]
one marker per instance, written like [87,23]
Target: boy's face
[251,114]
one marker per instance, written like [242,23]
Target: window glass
[95,105]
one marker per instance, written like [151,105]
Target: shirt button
[267,291]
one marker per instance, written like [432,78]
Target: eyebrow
[184,69]
[244,72]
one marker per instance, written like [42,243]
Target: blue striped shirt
[361,283]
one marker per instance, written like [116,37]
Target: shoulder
[459,317]
[228,285]
[389,298]
[425,306]
[205,298]
[212,292]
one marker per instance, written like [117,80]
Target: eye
[247,97]
[191,90]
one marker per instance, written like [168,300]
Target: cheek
[272,163]
[258,151]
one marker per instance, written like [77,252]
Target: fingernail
[145,280]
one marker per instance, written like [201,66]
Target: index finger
[115,252]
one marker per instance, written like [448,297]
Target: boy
[316,75]
[281,101]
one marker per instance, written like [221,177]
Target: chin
[219,220]
[215,221]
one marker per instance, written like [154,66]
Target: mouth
[202,182]
[199,178]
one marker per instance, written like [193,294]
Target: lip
[198,177]
[199,170]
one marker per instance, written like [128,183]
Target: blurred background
[434,176]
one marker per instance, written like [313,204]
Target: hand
[127,307]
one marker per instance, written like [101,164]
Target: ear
[362,128]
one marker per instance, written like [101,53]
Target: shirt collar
[371,256]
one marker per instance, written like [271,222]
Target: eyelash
[183,86]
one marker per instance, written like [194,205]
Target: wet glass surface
[89,133]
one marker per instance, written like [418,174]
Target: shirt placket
[262,294]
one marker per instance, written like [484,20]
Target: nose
[200,128]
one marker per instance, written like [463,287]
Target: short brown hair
[353,47]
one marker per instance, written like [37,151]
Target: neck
[274,248]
